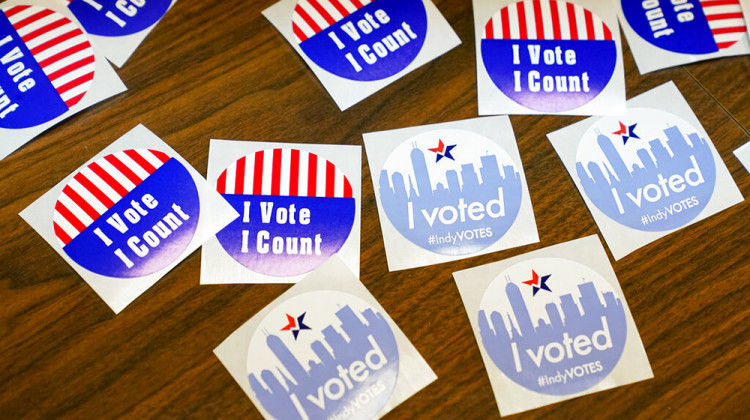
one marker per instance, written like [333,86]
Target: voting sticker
[302,330]
[325,349]
[356,47]
[670,33]
[449,191]
[552,325]
[646,173]
[129,215]
[404,20]
[634,184]
[50,66]
[118,26]
[297,208]
[117,17]
[548,57]
[49,71]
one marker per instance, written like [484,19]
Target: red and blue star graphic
[627,132]
[295,325]
[443,151]
[538,283]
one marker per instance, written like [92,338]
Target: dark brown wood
[218,69]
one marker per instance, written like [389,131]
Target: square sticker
[130,214]
[548,57]
[449,191]
[552,325]
[743,155]
[357,47]
[299,204]
[324,349]
[647,173]
[51,71]
[666,34]
[118,27]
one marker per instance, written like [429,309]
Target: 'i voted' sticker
[552,325]
[360,39]
[118,17]
[325,349]
[323,355]
[47,66]
[451,192]
[128,214]
[548,55]
[649,170]
[687,26]
[296,210]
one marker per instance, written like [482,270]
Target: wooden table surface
[218,69]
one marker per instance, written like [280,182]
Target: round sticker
[323,355]
[548,55]
[118,17]
[451,192]
[361,40]
[128,214]
[552,325]
[650,170]
[687,26]
[47,66]
[296,210]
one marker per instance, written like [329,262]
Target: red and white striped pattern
[98,186]
[284,172]
[60,48]
[546,19]
[313,16]
[725,20]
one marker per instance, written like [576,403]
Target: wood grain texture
[217,69]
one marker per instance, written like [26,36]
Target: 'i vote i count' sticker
[47,66]
[362,40]
[128,214]
[687,26]
[118,17]
[296,210]
[548,55]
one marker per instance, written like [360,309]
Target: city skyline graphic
[633,194]
[366,341]
[489,181]
[580,313]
